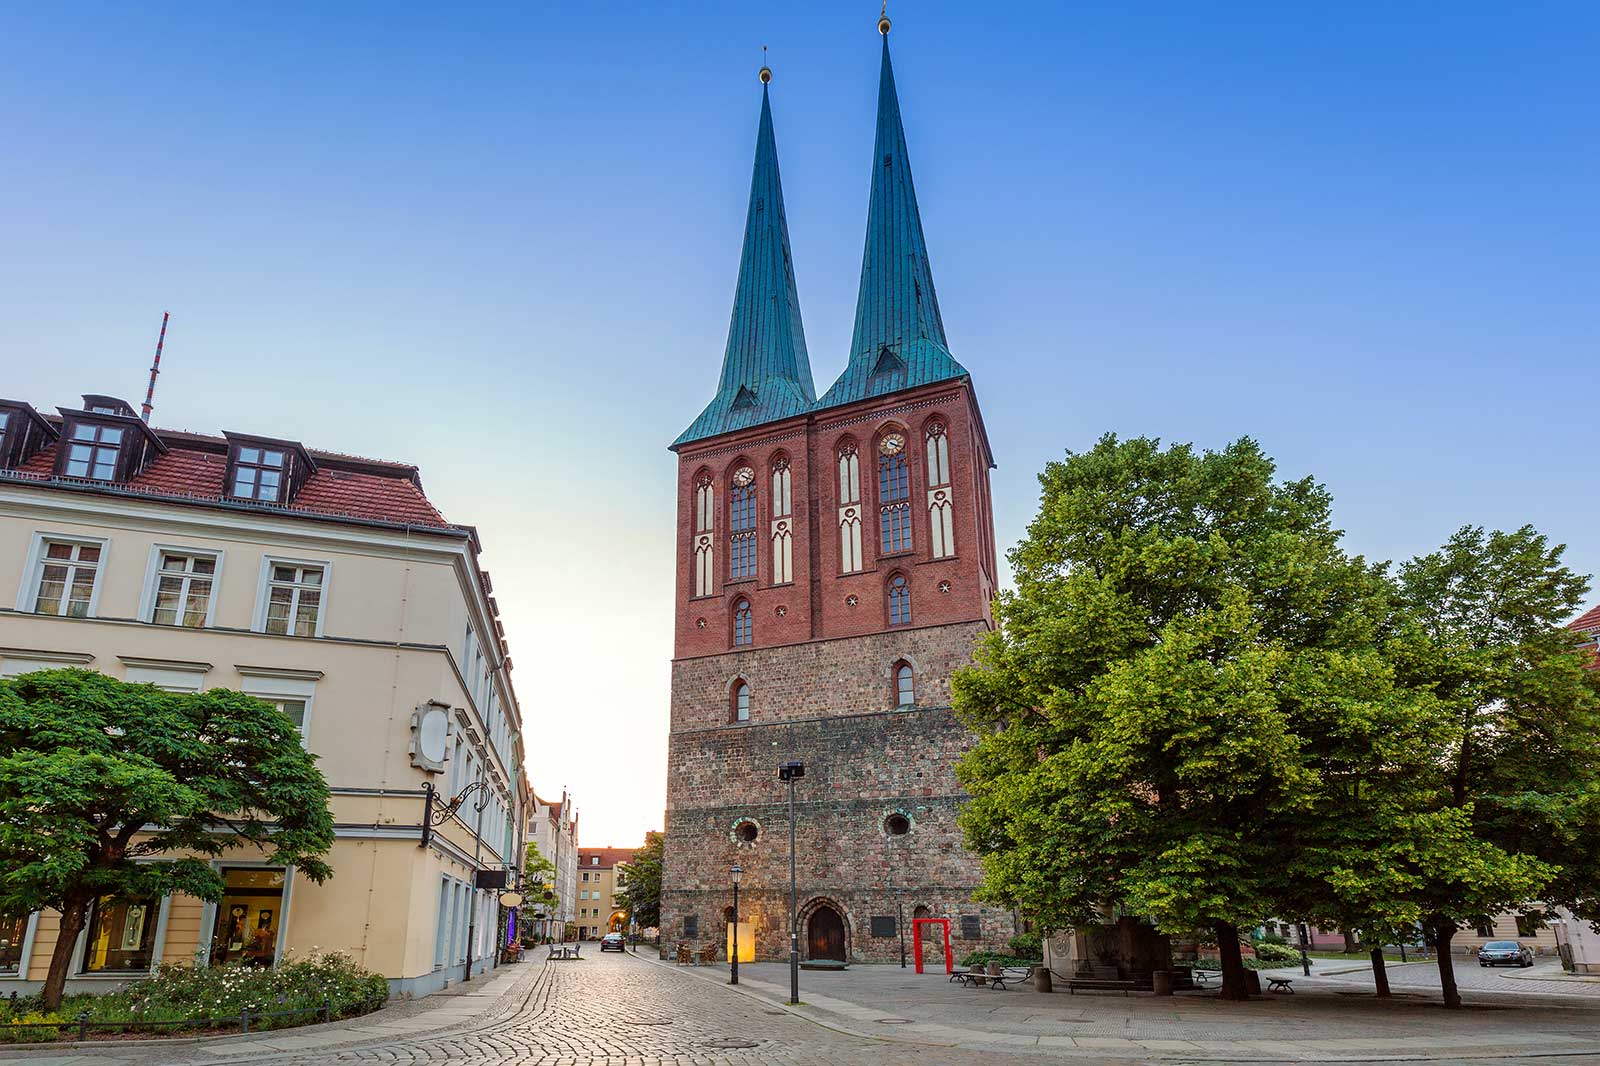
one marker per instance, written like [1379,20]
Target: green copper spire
[899,339]
[766,373]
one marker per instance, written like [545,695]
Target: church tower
[836,563]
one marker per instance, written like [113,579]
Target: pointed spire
[766,373]
[899,337]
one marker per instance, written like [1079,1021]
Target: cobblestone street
[609,1010]
[617,1010]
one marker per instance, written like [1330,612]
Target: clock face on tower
[743,476]
[892,444]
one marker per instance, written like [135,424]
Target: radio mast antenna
[155,368]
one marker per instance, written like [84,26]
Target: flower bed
[183,999]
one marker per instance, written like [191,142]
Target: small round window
[897,825]
[747,831]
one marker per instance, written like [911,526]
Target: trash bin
[1161,982]
[1041,979]
[1252,982]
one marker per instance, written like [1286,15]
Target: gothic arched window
[899,601]
[741,702]
[849,509]
[905,688]
[941,515]
[741,623]
[704,548]
[782,524]
[742,525]
[894,495]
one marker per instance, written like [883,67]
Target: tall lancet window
[742,525]
[705,570]
[899,601]
[894,495]
[849,509]
[782,524]
[742,631]
[941,513]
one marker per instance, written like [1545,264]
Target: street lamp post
[792,772]
[735,873]
[1305,960]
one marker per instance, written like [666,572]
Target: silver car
[1505,953]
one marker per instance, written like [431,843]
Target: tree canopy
[640,882]
[1191,710]
[1517,772]
[110,788]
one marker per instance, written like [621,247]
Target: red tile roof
[1588,621]
[609,857]
[345,487]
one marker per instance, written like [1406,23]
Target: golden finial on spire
[883,18]
[766,71]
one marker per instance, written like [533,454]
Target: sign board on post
[495,879]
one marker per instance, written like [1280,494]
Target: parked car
[613,942]
[1505,953]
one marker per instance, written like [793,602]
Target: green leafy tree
[640,882]
[1186,643]
[1518,771]
[539,879]
[112,789]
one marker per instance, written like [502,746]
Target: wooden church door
[825,934]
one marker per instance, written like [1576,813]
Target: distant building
[599,910]
[323,583]
[554,827]
[836,565]
[1588,626]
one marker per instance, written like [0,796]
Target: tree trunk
[1233,982]
[55,982]
[1447,966]
[1380,975]
[1350,945]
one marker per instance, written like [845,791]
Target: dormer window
[105,441]
[93,450]
[265,470]
[258,474]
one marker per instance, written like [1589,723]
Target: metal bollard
[327,1010]
[244,1020]
[83,1025]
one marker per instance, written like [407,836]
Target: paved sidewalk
[1334,1024]
[481,1001]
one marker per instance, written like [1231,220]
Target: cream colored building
[554,827]
[599,910]
[324,583]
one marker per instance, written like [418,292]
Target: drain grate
[731,1042]
[894,1021]
[647,1021]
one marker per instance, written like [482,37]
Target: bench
[1281,984]
[980,978]
[1203,978]
[1100,984]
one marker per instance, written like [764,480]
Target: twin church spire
[899,339]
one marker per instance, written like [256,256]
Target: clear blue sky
[1367,235]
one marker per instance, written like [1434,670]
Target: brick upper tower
[836,564]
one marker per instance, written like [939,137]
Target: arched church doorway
[618,923]
[825,934]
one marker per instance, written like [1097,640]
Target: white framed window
[292,598]
[62,575]
[171,676]
[180,586]
[92,451]
[293,695]
[258,474]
